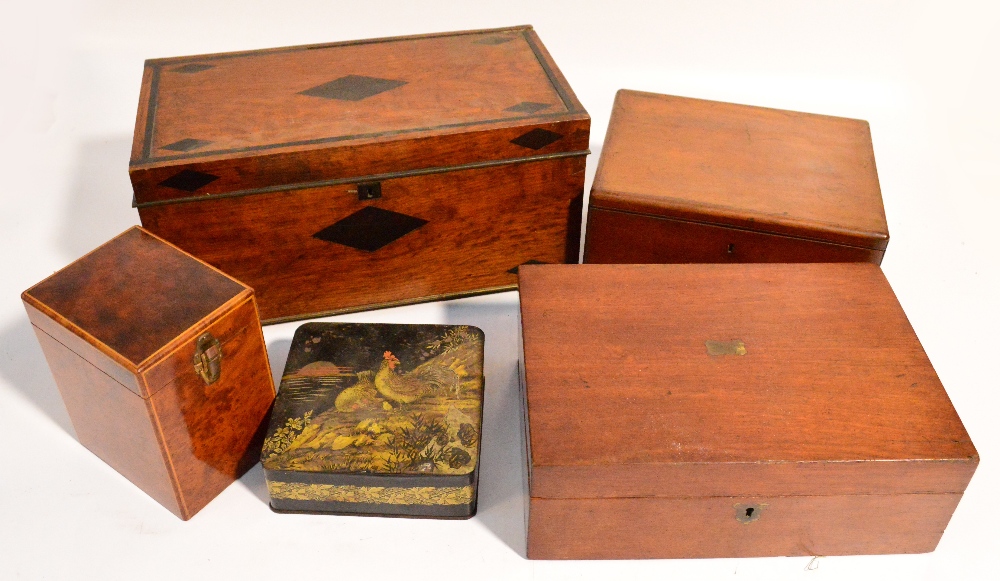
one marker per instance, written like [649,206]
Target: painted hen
[360,396]
[409,387]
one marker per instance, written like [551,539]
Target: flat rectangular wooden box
[364,174]
[161,363]
[737,410]
[691,181]
[378,420]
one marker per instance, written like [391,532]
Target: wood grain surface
[616,237]
[248,120]
[110,420]
[135,293]
[212,434]
[765,170]
[242,158]
[481,224]
[823,392]
[140,405]
[703,527]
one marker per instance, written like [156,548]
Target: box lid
[373,404]
[731,380]
[257,121]
[133,298]
[766,170]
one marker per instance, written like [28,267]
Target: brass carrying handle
[208,358]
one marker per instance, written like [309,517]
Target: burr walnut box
[378,419]
[737,410]
[691,181]
[161,363]
[364,174]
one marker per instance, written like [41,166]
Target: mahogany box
[161,363]
[690,181]
[376,419]
[364,174]
[739,410]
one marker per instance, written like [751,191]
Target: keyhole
[372,191]
[748,513]
[730,251]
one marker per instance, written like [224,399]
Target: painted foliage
[368,398]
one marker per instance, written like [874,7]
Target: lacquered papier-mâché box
[375,419]
[432,165]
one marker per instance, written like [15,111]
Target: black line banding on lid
[154,96]
[567,102]
[154,85]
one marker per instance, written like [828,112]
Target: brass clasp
[208,358]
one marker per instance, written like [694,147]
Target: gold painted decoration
[423,495]
[379,399]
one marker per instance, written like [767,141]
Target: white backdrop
[924,74]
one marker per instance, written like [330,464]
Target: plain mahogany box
[731,410]
[690,181]
[364,174]
[161,363]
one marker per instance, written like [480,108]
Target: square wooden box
[732,411]
[161,363]
[690,181]
[364,174]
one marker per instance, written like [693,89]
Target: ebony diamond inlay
[186,144]
[517,268]
[189,180]
[537,138]
[192,68]
[352,88]
[370,228]
[494,40]
[528,107]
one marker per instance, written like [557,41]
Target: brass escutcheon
[720,348]
[208,358]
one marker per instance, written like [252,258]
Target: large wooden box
[690,181]
[364,174]
[161,363]
[376,419]
[732,411]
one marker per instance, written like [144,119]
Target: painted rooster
[409,387]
